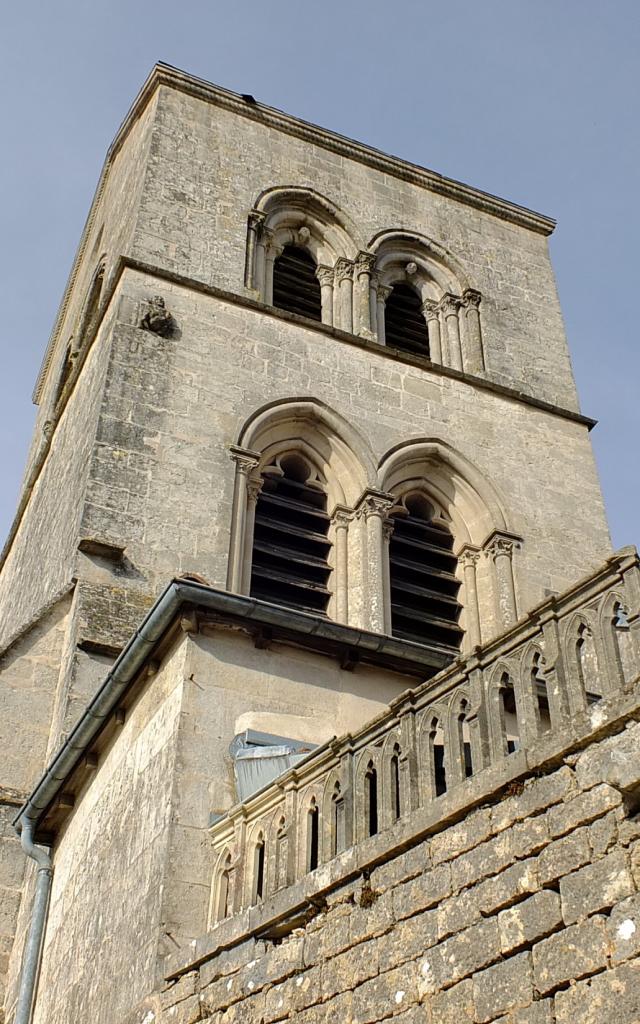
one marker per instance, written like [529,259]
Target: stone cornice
[173,78]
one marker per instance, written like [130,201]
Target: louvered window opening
[291,545]
[295,285]
[405,327]
[424,587]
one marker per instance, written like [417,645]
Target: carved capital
[375,503]
[383,291]
[430,310]
[365,263]
[256,221]
[471,298]
[342,516]
[324,274]
[501,544]
[244,458]
[450,304]
[387,528]
[469,557]
[254,486]
[344,269]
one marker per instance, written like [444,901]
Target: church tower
[328,394]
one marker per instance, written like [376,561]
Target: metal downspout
[33,948]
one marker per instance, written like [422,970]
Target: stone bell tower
[292,369]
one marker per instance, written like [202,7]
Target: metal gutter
[254,615]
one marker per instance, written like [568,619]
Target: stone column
[325,276]
[340,519]
[383,292]
[344,280]
[387,531]
[245,461]
[363,269]
[432,316]
[450,305]
[253,490]
[373,508]
[500,548]
[469,557]
[474,356]
[254,230]
[373,304]
[272,251]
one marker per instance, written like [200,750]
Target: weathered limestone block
[506,986]
[614,761]
[508,887]
[571,954]
[526,922]
[475,828]
[603,833]
[597,886]
[423,892]
[349,969]
[455,1006]
[563,856]
[624,929]
[611,996]
[491,857]
[537,795]
[408,940]
[459,956]
[584,808]
[540,1012]
[388,993]
[297,993]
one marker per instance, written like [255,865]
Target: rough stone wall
[525,912]
[210,166]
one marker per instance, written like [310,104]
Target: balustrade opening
[258,871]
[295,285]
[396,808]
[371,800]
[312,838]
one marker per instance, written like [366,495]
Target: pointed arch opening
[259,870]
[371,799]
[313,836]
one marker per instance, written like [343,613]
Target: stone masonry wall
[527,911]
[161,480]
[209,166]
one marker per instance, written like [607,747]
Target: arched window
[587,664]
[295,285]
[371,799]
[405,327]
[290,544]
[424,586]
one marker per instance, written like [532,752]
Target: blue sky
[533,100]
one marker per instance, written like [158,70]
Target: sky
[533,100]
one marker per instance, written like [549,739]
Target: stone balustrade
[535,685]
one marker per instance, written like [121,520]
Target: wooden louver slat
[405,327]
[291,545]
[424,588]
[295,285]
